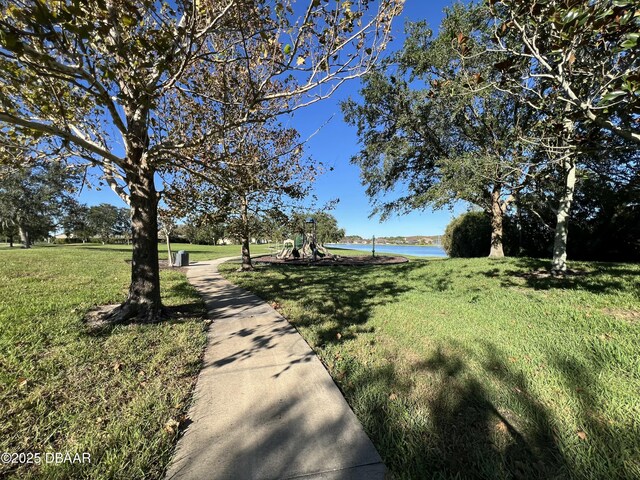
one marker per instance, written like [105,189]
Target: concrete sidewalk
[264,406]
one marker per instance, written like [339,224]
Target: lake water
[417,251]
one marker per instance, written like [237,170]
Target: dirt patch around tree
[98,318]
[334,260]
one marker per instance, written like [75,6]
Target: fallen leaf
[513,359]
[393,396]
[22,382]
[171,426]
[338,336]
[502,427]
[582,435]
[117,367]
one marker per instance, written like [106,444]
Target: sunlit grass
[476,368]
[108,392]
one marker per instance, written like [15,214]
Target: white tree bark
[24,237]
[496,225]
[559,262]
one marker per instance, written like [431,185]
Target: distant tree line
[105,222]
[263,228]
[37,201]
[32,200]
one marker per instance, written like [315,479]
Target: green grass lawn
[210,252]
[471,368]
[112,392]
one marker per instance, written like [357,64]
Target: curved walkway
[264,406]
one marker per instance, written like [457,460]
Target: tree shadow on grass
[336,304]
[474,414]
[98,325]
[462,434]
[173,314]
[183,289]
[599,278]
[456,427]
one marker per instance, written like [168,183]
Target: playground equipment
[311,246]
[287,249]
[304,246]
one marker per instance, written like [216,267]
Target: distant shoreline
[387,244]
[410,250]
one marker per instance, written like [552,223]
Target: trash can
[182,259]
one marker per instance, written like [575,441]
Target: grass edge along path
[472,368]
[117,393]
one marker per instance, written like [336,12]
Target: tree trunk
[246,253]
[496,225]
[559,262]
[24,237]
[143,302]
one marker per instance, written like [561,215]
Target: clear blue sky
[337,142]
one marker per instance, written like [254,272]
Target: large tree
[108,221]
[32,198]
[604,209]
[587,51]
[75,221]
[109,79]
[576,63]
[432,127]
[262,168]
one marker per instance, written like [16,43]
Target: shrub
[468,235]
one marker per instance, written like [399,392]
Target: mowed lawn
[471,368]
[116,393]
